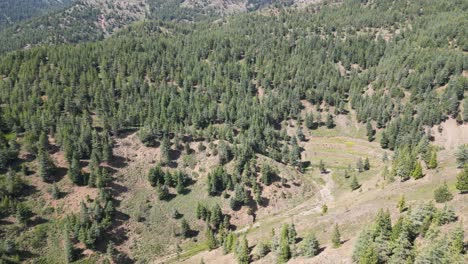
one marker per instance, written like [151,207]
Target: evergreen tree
[359,165]
[336,237]
[210,239]
[330,122]
[309,121]
[165,151]
[442,194]
[156,175]
[462,180]
[69,250]
[354,183]
[403,250]
[243,251]
[185,228]
[417,171]
[433,160]
[462,155]
[310,246]
[55,191]
[366,164]
[321,166]
[401,204]
[74,171]
[46,165]
[370,131]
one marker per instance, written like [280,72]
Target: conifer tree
[417,171]
[55,191]
[401,204]
[46,165]
[185,228]
[309,121]
[462,180]
[354,183]
[336,237]
[370,131]
[165,151]
[433,160]
[442,194]
[366,164]
[403,250]
[210,239]
[243,251]
[310,246]
[359,165]
[321,166]
[69,250]
[74,171]
[330,122]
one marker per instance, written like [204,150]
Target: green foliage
[185,228]
[210,239]
[243,251]
[462,154]
[310,246]
[336,237]
[401,204]
[417,171]
[462,180]
[433,160]
[354,183]
[442,194]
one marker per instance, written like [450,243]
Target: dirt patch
[452,134]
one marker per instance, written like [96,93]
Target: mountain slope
[169,141]
[13,11]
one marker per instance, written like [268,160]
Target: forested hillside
[157,142]
[12,11]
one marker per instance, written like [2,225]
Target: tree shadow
[37,221]
[192,233]
[58,175]
[118,162]
[116,188]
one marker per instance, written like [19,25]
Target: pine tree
[433,160]
[210,239]
[363,242]
[462,155]
[292,234]
[462,180]
[69,250]
[417,171]
[359,165]
[185,228]
[165,151]
[243,251]
[74,171]
[370,131]
[401,204]
[309,121]
[55,191]
[366,164]
[330,122]
[321,166]
[310,246]
[442,194]
[336,237]
[156,175]
[46,165]
[284,251]
[403,250]
[354,183]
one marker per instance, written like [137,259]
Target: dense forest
[12,11]
[185,76]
